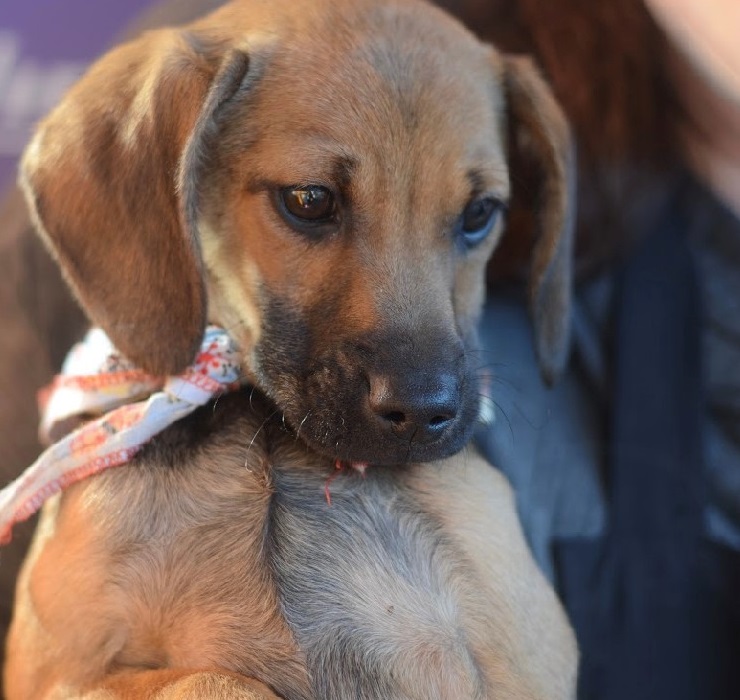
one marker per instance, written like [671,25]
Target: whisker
[254,437]
[525,418]
[305,418]
[411,442]
[504,414]
[498,379]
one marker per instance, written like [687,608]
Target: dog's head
[327,181]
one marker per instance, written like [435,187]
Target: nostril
[395,417]
[438,421]
[420,408]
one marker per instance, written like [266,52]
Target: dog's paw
[172,684]
[217,686]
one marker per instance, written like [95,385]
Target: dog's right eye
[478,219]
[311,204]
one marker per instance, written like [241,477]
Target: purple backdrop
[44,46]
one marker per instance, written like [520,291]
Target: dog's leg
[43,664]
[171,684]
[163,684]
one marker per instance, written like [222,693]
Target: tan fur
[86,579]
[163,189]
[144,568]
[476,506]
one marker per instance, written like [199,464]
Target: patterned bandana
[118,409]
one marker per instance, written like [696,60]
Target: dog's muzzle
[392,406]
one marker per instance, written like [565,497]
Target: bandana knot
[101,410]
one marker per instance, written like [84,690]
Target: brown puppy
[326,182]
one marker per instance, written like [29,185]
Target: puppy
[326,181]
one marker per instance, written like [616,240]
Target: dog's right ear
[541,138]
[112,176]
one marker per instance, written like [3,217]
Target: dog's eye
[312,203]
[478,218]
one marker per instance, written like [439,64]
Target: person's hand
[707,32]
[706,73]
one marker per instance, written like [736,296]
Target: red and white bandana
[124,408]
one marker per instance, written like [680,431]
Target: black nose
[416,408]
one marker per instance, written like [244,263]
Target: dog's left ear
[540,137]
[112,178]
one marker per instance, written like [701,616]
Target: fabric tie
[124,408]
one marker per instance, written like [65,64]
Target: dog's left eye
[478,218]
[310,204]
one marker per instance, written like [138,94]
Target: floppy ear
[540,137]
[112,180]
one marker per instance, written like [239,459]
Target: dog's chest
[354,599]
[215,553]
[370,587]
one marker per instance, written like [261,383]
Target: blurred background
[44,46]
[644,554]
